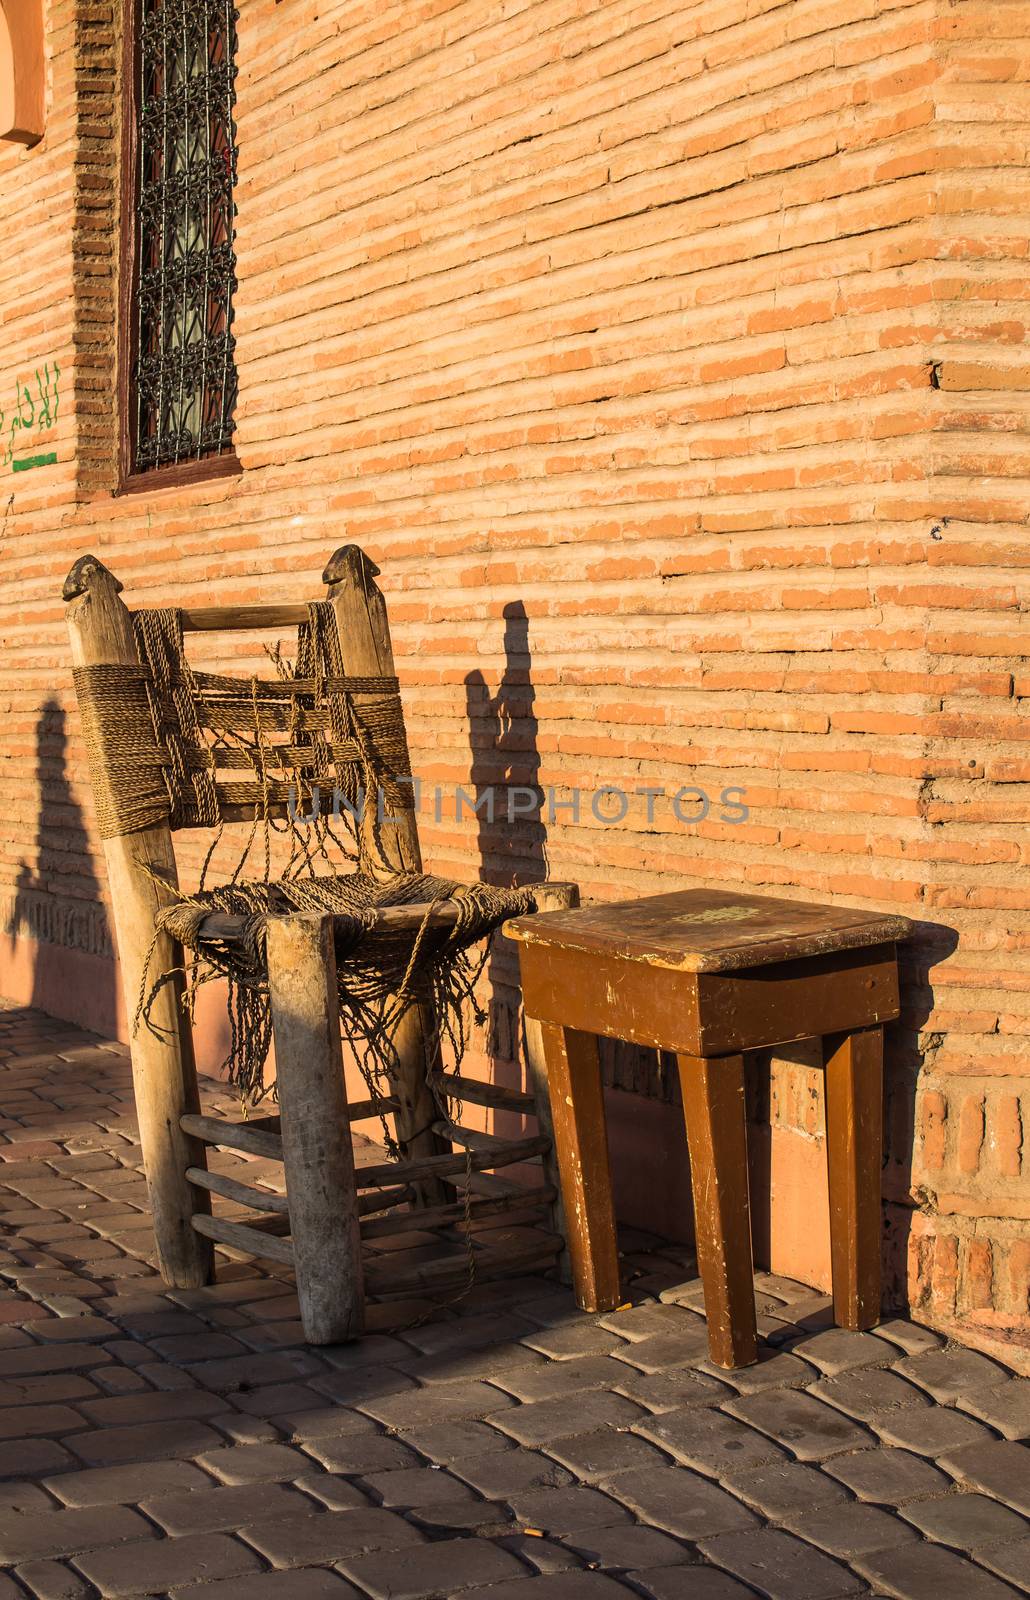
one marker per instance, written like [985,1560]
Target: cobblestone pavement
[186,1443]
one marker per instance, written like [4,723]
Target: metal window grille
[185,373]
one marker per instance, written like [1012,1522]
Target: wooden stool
[709,975]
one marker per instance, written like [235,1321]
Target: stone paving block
[349,1388]
[928,1572]
[153,1406]
[604,1451]
[781,1566]
[458,1333]
[325,1422]
[458,1366]
[886,1476]
[967,1520]
[1006,1408]
[573,1340]
[643,1321]
[146,1441]
[1000,1468]
[868,1390]
[319,1537]
[1009,1561]
[195,1347]
[848,1530]
[540,1555]
[556,1419]
[64,1533]
[167,1564]
[562,1586]
[51,1358]
[450,1441]
[556,1378]
[710,1440]
[52,1580]
[31,1458]
[664,1350]
[362,1453]
[689,1583]
[251,1371]
[278,1399]
[623,1547]
[416,1486]
[107,1486]
[681,1502]
[835,1350]
[792,1322]
[316,1583]
[555,1511]
[810,1429]
[27,1422]
[71,1330]
[222,1509]
[952,1373]
[673,1388]
[486,1519]
[339,1494]
[929,1431]
[688,1292]
[907,1336]
[445,1568]
[255,1463]
[227,1291]
[785,1488]
[444,1402]
[501,1474]
[23,1498]
[774,1369]
[245,1430]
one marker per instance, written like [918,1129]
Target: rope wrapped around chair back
[159,735]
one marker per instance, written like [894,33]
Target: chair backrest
[171,746]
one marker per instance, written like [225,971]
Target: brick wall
[666,357]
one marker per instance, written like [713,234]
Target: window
[181,161]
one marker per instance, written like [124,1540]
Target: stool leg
[713,1106]
[581,1144]
[854,1137]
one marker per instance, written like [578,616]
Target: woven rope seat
[385,964]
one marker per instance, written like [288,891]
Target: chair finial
[86,574]
[350,561]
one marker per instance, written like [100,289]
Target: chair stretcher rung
[245,1136]
[241,1237]
[244,1194]
[494,1095]
[502,1153]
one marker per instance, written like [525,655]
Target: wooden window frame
[181,473]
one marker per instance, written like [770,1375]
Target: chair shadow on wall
[505,766]
[58,892]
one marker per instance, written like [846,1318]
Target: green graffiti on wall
[24,424]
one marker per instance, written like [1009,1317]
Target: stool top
[709,930]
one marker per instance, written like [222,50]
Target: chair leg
[713,1106]
[581,1142]
[854,1140]
[317,1151]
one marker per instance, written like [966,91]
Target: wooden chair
[317,1226]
